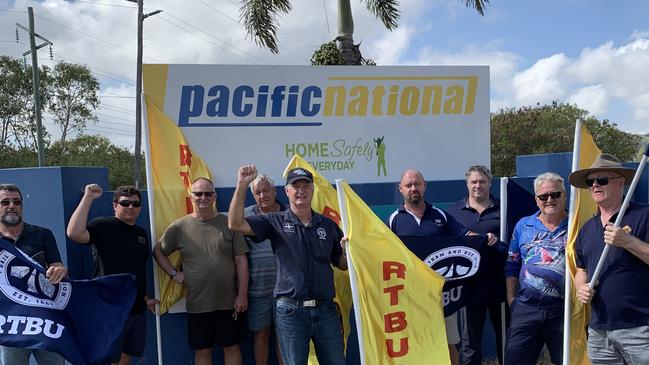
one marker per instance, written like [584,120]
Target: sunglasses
[207,194]
[131,203]
[601,180]
[554,195]
[7,202]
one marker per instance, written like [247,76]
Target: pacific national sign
[364,124]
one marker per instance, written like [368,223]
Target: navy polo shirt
[486,222]
[621,298]
[38,243]
[304,254]
[434,222]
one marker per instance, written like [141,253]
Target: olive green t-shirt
[208,249]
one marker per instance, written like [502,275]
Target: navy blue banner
[520,203]
[79,319]
[466,263]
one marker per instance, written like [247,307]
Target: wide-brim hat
[603,162]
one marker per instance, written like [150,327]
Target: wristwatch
[173,273]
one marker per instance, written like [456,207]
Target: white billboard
[363,124]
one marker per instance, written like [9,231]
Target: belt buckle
[309,303]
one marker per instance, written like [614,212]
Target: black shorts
[133,337]
[206,329]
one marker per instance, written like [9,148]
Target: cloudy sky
[593,53]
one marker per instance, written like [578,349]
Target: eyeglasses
[207,194]
[7,202]
[131,203]
[554,195]
[601,180]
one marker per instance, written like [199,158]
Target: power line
[212,36]
[205,39]
[94,37]
[98,3]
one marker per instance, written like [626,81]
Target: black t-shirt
[38,243]
[121,248]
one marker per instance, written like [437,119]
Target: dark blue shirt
[38,243]
[304,254]
[621,298]
[434,222]
[486,222]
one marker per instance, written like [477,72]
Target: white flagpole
[620,215]
[153,239]
[567,279]
[503,237]
[342,203]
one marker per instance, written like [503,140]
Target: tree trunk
[349,50]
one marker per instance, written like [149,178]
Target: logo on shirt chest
[141,239]
[288,227]
[438,222]
[322,233]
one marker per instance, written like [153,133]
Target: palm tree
[260,21]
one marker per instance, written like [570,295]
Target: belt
[303,303]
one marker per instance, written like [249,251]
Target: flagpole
[153,238]
[567,292]
[620,215]
[503,237]
[342,203]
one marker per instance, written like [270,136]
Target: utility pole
[36,81]
[138,89]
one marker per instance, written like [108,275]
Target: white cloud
[592,98]
[541,82]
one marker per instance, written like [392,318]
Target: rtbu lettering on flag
[79,319]
[465,262]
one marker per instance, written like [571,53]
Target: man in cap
[305,244]
[618,332]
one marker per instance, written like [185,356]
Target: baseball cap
[298,173]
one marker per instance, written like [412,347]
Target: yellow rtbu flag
[325,202]
[400,296]
[173,167]
[584,209]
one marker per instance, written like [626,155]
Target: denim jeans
[530,328]
[624,346]
[297,325]
[16,356]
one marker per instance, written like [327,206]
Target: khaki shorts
[452,332]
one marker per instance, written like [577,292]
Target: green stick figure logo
[380,152]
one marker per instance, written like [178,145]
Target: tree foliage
[330,54]
[73,98]
[17,120]
[84,150]
[550,129]
[69,93]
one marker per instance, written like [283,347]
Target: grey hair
[11,188]
[480,169]
[260,178]
[548,177]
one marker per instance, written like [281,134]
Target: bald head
[412,188]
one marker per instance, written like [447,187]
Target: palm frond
[260,20]
[478,5]
[386,11]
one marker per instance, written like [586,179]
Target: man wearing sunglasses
[119,246]
[535,272]
[618,332]
[215,274]
[38,243]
